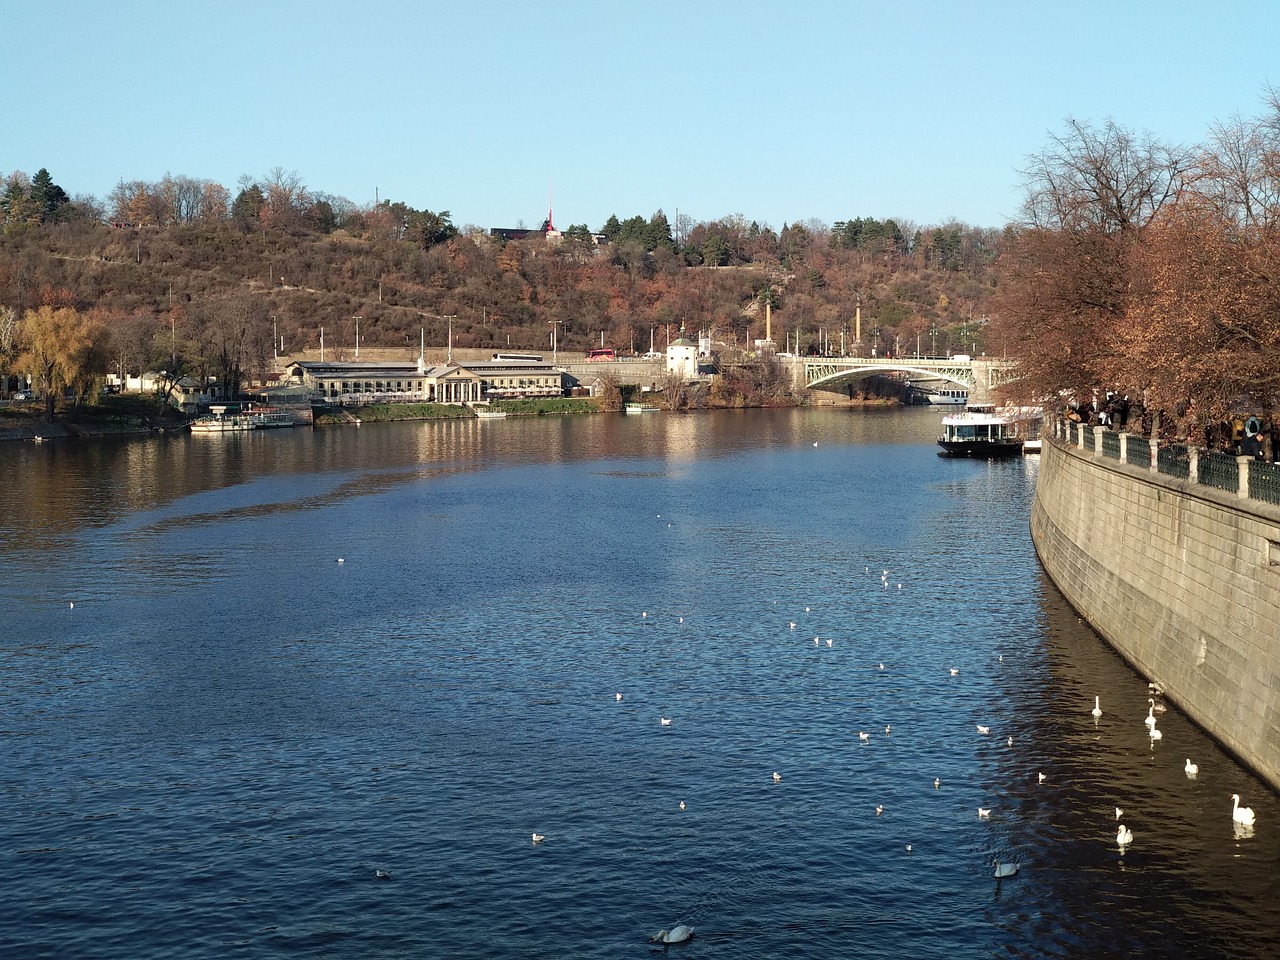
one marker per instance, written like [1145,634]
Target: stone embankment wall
[1182,580]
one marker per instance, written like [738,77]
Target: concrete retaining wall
[1182,580]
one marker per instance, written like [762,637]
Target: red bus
[603,353]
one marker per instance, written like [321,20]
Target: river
[311,693]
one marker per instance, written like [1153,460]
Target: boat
[981,431]
[231,418]
[490,414]
[639,408]
[944,396]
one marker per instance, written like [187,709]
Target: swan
[1005,869]
[983,730]
[1097,707]
[1156,734]
[1241,815]
[677,934]
[984,812]
[539,837]
[1124,836]
[1151,713]
[1190,769]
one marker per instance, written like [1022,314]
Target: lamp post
[275,356]
[357,320]
[450,317]
[555,331]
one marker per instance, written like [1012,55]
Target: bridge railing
[1246,477]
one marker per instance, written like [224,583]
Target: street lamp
[357,320]
[450,317]
[555,330]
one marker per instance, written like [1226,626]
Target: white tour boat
[222,418]
[980,431]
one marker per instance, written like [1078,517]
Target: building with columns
[416,382]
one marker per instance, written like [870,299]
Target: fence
[1243,476]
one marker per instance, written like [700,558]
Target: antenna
[551,224]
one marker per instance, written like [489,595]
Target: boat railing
[1244,476]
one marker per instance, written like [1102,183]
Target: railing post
[1193,464]
[1155,455]
[1124,447]
[1097,440]
[1242,466]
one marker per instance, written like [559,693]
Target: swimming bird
[815,443]
[806,609]
[1151,713]
[816,642]
[777,777]
[665,721]
[1119,813]
[342,560]
[830,642]
[984,812]
[863,736]
[936,783]
[983,730]
[955,671]
[793,624]
[1009,742]
[539,837]
[1190,769]
[382,875]
[617,696]
[1156,734]
[882,666]
[72,605]
[1097,707]
[888,728]
[908,848]
[1124,836]
[879,809]
[681,804]
[644,614]
[677,934]
[1004,869]
[1239,814]
[1041,778]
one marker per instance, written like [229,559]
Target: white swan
[1190,769]
[1156,734]
[677,934]
[1151,713]
[1097,707]
[1124,836]
[1241,815]
[1005,869]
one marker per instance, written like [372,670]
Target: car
[24,395]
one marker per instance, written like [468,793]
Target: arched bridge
[978,375]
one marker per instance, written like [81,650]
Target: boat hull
[980,449]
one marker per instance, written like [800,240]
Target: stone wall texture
[1182,580]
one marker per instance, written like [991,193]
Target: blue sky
[922,111]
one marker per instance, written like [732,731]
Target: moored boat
[639,408]
[490,414]
[231,418]
[980,431]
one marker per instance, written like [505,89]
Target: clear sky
[781,112]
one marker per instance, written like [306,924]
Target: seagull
[617,696]
[681,804]
[830,642]
[1190,769]
[955,671]
[665,721]
[908,848]
[983,730]
[984,812]
[1241,815]
[817,642]
[793,624]
[1097,707]
[879,809]
[539,837]
[1042,778]
[1009,742]
[73,605]
[382,875]
[888,729]
[863,736]
[342,559]
[777,777]
[1124,836]
[936,783]
[882,666]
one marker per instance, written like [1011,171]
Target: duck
[1097,707]
[1190,769]
[677,934]
[1241,815]
[1124,836]
[1005,869]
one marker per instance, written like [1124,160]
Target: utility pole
[555,331]
[451,317]
[357,320]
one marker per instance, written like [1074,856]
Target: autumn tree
[55,344]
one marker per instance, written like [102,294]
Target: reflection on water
[215,749]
